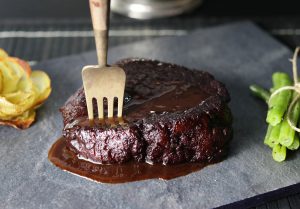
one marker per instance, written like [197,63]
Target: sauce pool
[61,157]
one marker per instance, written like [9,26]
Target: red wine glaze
[60,156]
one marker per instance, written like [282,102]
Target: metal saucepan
[148,9]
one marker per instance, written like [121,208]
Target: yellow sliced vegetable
[10,79]
[17,69]
[42,84]
[23,64]
[24,102]
[22,122]
[1,79]
[21,91]
[3,54]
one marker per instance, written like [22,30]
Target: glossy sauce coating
[179,98]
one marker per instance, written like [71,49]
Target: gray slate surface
[238,55]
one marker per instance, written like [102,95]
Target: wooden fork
[101,81]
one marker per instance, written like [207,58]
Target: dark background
[79,8]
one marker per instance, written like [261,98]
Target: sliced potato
[3,54]
[26,67]
[9,108]
[16,97]
[22,122]
[1,79]
[21,91]
[41,80]
[42,84]
[25,84]
[11,76]
[15,66]
[19,97]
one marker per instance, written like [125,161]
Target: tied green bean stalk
[260,92]
[273,136]
[279,103]
[295,144]
[287,133]
[268,140]
[281,136]
[279,153]
[283,115]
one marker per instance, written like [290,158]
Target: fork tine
[110,107]
[100,107]
[89,104]
[120,105]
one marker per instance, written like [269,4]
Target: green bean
[295,144]
[279,103]
[279,153]
[260,92]
[268,140]
[274,135]
[287,133]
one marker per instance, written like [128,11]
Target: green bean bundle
[280,135]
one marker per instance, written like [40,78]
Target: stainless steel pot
[147,9]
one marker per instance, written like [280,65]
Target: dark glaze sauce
[178,98]
[60,156]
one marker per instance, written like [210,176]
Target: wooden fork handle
[100,18]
